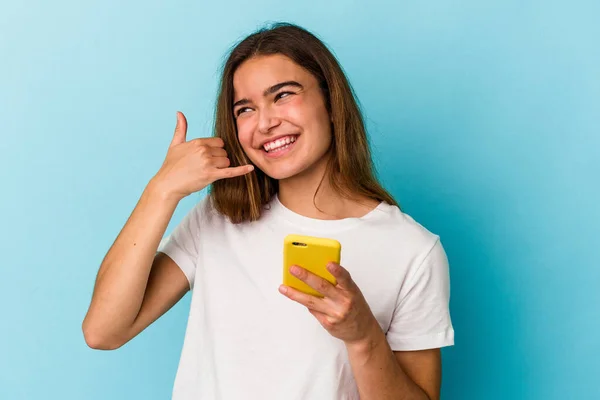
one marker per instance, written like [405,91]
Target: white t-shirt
[245,340]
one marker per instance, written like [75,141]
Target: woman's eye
[242,110]
[282,94]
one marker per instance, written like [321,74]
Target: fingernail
[294,270]
[282,289]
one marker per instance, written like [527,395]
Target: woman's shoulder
[396,224]
[203,211]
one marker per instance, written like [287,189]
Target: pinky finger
[223,173]
[321,317]
[316,313]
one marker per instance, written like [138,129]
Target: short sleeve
[183,243]
[421,318]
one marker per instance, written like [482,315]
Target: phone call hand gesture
[192,165]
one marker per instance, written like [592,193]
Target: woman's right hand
[190,166]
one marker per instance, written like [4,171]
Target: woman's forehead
[258,73]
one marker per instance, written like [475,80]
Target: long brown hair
[350,167]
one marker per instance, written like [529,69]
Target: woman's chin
[279,175]
[281,172]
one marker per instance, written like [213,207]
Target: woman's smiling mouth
[280,146]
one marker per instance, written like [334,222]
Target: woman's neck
[298,194]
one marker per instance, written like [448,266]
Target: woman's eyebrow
[269,91]
[241,102]
[278,86]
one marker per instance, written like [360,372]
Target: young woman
[290,155]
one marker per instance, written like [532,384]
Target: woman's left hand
[343,311]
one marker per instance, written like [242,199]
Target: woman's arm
[379,372]
[135,285]
[383,374]
[123,288]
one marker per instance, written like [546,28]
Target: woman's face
[282,121]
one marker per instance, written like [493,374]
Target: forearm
[378,374]
[123,275]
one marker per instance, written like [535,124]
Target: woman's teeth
[279,144]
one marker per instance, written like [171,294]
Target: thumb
[180,130]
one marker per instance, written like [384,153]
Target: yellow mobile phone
[311,253]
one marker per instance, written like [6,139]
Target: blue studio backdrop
[484,121]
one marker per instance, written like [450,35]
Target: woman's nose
[267,120]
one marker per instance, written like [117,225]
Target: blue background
[484,118]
